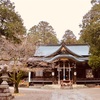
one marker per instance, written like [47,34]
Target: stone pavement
[57,94]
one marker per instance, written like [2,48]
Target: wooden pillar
[29,76]
[75,73]
[64,73]
[53,73]
[58,75]
[69,70]
[53,76]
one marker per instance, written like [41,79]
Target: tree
[11,25]
[94,42]
[20,56]
[12,41]
[90,33]
[95,2]
[69,37]
[44,33]
[16,74]
[16,56]
[93,16]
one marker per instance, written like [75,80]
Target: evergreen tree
[69,37]
[43,33]
[11,25]
[90,33]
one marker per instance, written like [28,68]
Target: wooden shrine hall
[55,63]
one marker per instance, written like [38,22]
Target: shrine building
[53,63]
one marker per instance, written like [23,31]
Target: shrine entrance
[64,70]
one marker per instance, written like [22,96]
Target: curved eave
[65,56]
[69,51]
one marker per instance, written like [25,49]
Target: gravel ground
[57,94]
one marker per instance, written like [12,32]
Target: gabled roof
[76,49]
[63,50]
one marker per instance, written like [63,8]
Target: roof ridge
[65,45]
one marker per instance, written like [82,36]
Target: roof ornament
[63,50]
[63,43]
[63,47]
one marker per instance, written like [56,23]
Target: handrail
[88,78]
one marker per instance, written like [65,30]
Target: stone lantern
[5,93]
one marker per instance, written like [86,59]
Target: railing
[39,79]
[88,80]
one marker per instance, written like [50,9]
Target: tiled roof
[82,50]
[46,50]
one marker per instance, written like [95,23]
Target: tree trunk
[16,90]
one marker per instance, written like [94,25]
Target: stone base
[5,93]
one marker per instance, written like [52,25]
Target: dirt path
[69,95]
[58,94]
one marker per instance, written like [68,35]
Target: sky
[60,14]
